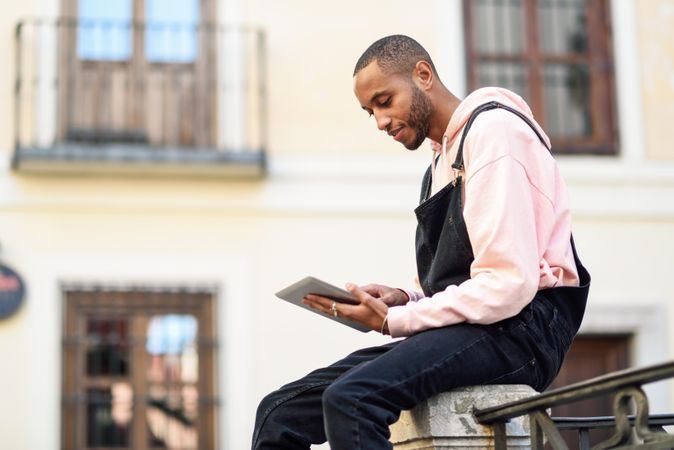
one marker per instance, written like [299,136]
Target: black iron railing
[638,431]
[100,90]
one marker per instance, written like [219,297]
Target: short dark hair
[394,54]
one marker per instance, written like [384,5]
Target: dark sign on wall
[12,291]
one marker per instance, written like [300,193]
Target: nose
[383,121]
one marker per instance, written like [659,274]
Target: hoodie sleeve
[503,213]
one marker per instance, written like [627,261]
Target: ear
[423,75]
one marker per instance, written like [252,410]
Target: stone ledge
[446,420]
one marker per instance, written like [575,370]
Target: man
[503,290]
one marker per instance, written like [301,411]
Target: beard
[420,117]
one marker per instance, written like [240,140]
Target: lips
[395,134]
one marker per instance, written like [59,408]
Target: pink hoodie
[516,211]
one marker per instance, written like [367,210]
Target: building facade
[167,168]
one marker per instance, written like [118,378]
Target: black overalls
[352,402]
[443,249]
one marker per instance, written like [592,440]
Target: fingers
[390,296]
[359,293]
[370,311]
[375,305]
[322,304]
[374,290]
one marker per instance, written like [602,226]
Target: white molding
[646,323]
[336,185]
[627,81]
[231,76]
[450,60]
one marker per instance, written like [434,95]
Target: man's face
[400,108]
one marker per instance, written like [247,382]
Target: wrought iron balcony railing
[114,95]
[638,431]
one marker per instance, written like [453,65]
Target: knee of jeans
[335,398]
[267,405]
[269,411]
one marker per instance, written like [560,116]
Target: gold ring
[333,309]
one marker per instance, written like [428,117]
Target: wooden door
[138,72]
[589,357]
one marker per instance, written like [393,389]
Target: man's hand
[370,311]
[390,296]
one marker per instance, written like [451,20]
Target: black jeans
[352,402]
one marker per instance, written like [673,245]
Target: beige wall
[202,235]
[312,52]
[11,12]
[337,204]
[251,241]
[656,45]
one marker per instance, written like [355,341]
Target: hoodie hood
[458,121]
[479,97]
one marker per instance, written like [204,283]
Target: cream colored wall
[656,37]
[313,48]
[336,204]
[11,12]
[248,241]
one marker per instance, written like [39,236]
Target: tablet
[310,285]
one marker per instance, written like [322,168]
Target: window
[142,74]
[138,87]
[105,30]
[170,31]
[171,34]
[555,54]
[138,369]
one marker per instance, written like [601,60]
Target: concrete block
[446,420]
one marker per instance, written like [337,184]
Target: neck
[444,105]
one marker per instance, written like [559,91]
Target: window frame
[79,303]
[602,106]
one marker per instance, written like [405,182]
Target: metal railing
[132,91]
[638,431]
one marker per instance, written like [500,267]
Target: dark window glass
[556,55]
[108,416]
[107,347]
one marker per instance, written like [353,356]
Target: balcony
[103,96]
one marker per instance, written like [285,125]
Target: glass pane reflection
[171,34]
[562,26]
[109,414]
[172,372]
[567,100]
[171,349]
[499,26]
[512,76]
[104,30]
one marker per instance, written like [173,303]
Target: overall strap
[458,163]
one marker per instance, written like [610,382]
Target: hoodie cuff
[398,321]
[412,296]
